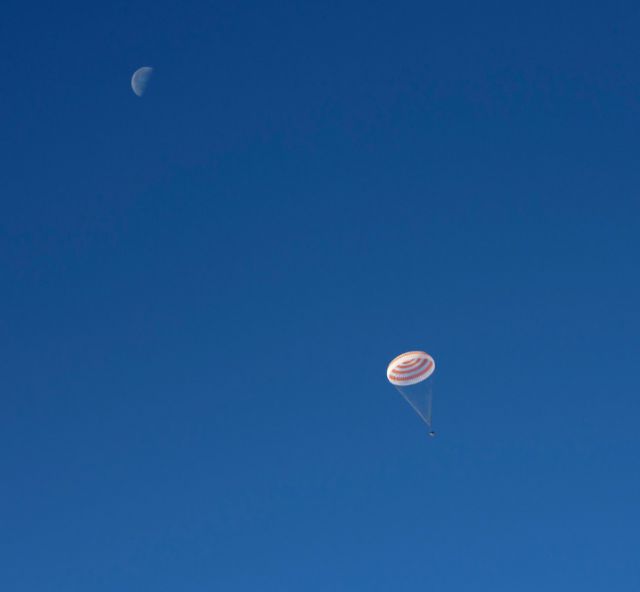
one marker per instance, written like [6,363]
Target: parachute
[411,374]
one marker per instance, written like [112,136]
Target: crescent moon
[140,79]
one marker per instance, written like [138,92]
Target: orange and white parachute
[411,374]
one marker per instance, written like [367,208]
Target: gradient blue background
[201,290]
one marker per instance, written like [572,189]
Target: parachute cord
[423,411]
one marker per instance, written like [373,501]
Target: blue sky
[201,290]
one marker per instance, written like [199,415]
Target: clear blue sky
[200,291]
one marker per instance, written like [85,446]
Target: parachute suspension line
[424,410]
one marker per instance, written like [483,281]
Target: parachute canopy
[410,368]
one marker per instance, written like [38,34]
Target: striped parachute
[411,374]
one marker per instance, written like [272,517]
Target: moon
[140,79]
